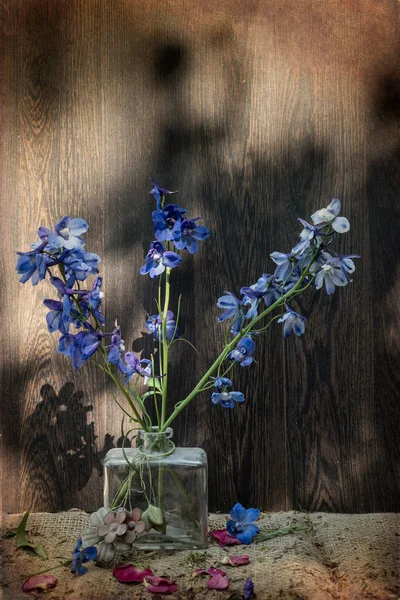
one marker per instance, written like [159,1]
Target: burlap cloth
[338,556]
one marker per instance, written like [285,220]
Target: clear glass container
[169,486]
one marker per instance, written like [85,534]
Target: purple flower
[167,222]
[188,235]
[136,366]
[157,259]
[158,192]
[154,325]
[243,351]
[294,323]
[80,556]
[330,215]
[224,396]
[80,347]
[248,590]
[67,234]
[241,524]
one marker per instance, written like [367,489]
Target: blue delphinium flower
[309,234]
[167,222]
[136,366]
[157,259]
[158,192]
[80,556]
[233,309]
[154,325]
[79,264]
[248,590]
[243,351]
[116,348]
[224,394]
[67,234]
[80,347]
[294,323]
[330,215]
[266,289]
[332,271]
[188,234]
[33,264]
[241,524]
[95,297]
[285,265]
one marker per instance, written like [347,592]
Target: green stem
[233,343]
[164,342]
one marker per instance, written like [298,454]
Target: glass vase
[169,486]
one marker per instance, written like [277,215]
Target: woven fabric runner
[349,557]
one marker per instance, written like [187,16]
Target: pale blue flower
[330,215]
[294,323]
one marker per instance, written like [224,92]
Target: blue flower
[241,524]
[33,264]
[154,325]
[79,264]
[55,317]
[188,235]
[116,348]
[167,222]
[285,265]
[294,323]
[157,259]
[243,351]
[233,308]
[333,271]
[248,590]
[266,289]
[80,556]
[158,192]
[330,215]
[224,396]
[309,234]
[67,234]
[136,366]
[80,347]
[95,297]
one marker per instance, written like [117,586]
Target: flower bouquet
[155,495]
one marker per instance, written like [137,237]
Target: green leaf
[153,382]
[22,542]
[151,393]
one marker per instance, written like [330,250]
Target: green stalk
[164,343]
[233,343]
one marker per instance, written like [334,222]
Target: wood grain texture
[259,113]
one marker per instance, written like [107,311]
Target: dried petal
[236,561]
[214,571]
[223,538]
[198,572]
[160,585]
[39,582]
[218,582]
[129,574]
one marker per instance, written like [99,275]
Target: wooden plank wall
[259,112]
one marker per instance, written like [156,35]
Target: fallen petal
[223,538]
[130,574]
[214,571]
[218,582]
[160,585]
[198,572]
[236,561]
[39,582]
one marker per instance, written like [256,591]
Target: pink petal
[198,572]
[109,518]
[218,582]
[130,574]
[236,561]
[140,527]
[213,571]
[160,585]
[223,537]
[39,582]
[136,514]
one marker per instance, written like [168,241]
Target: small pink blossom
[236,561]
[160,585]
[130,574]
[39,582]
[223,538]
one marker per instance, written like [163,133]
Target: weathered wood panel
[260,113]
